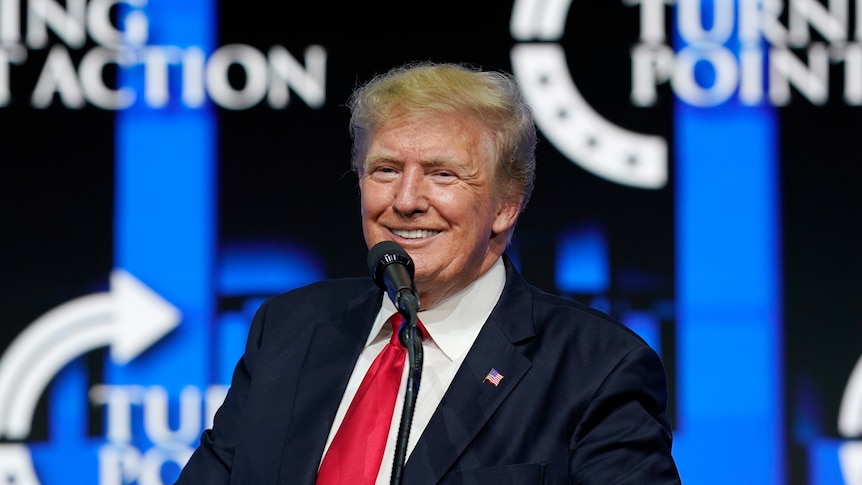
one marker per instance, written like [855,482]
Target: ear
[508,211]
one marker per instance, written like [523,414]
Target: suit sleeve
[625,435]
[211,462]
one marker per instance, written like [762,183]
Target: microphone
[392,270]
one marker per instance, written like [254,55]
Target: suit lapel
[332,352]
[471,399]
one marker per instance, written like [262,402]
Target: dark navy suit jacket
[582,400]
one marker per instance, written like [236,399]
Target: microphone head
[382,255]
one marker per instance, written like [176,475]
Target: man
[518,386]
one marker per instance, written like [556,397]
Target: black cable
[412,339]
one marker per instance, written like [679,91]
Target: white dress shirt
[452,326]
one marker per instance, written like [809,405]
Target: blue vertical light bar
[583,264]
[730,413]
[165,202]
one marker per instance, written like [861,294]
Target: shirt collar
[455,322]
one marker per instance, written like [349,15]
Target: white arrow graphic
[129,319]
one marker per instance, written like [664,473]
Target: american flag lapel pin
[494,377]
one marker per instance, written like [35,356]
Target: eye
[444,175]
[382,172]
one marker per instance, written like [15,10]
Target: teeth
[414,234]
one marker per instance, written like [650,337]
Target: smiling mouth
[414,233]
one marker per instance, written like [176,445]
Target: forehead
[435,135]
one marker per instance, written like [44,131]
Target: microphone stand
[409,336]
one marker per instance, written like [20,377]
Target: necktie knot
[396,321]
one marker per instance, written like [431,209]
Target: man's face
[427,185]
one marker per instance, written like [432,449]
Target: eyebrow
[438,161]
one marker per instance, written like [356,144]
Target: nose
[411,191]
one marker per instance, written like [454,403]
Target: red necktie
[355,454]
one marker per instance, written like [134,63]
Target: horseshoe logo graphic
[564,116]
